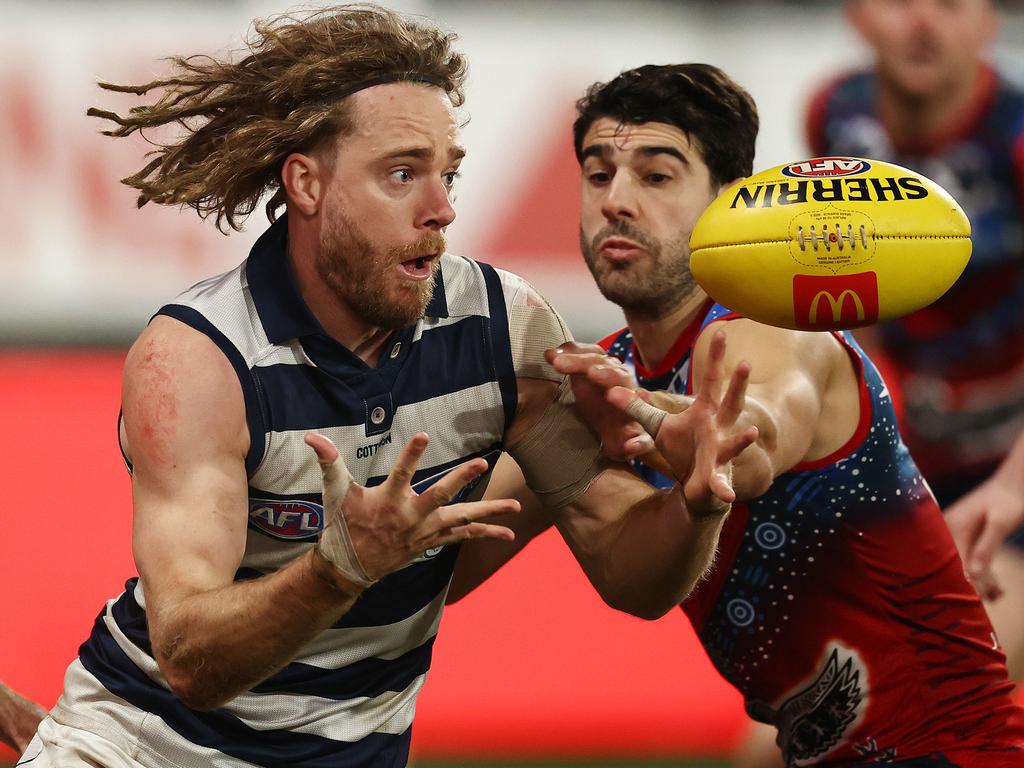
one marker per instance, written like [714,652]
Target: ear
[302,177]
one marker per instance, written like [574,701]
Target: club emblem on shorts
[287,520]
[818,717]
[826,166]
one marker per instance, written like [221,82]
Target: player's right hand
[980,523]
[592,373]
[700,442]
[371,532]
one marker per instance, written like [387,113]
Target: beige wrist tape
[335,544]
[559,455]
[648,416]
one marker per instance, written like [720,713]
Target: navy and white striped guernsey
[349,696]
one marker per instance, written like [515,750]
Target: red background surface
[531,664]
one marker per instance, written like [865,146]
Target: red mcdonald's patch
[833,302]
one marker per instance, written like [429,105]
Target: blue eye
[404,175]
[450,177]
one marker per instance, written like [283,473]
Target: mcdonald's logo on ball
[822,302]
[830,243]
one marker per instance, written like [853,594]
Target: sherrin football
[830,243]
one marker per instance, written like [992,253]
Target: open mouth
[418,268]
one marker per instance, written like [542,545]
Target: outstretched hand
[371,532]
[700,442]
[593,373]
[980,523]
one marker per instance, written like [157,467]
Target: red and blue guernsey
[960,361]
[838,605]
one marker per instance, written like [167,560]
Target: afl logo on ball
[820,167]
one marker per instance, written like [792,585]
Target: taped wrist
[335,544]
[559,455]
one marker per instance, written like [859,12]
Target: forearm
[1011,472]
[212,646]
[19,719]
[651,560]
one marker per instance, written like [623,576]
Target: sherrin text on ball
[830,243]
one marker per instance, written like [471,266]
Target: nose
[620,200]
[437,212]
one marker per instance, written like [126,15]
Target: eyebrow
[604,150]
[424,153]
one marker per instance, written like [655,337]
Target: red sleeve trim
[680,347]
[863,425]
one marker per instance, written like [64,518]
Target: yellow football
[830,243]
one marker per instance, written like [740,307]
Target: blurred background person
[934,103]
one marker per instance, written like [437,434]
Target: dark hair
[241,119]
[698,99]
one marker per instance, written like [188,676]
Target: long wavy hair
[238,121]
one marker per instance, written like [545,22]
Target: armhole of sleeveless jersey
[501,346]
[120,445]
[253,408]
[863,422]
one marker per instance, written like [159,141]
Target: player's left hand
[700,442]
[592,373]
[980,523]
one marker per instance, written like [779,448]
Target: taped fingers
[648,416]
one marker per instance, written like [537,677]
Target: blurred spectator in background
[931,102]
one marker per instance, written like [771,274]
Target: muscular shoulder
[180,388]
[772,350]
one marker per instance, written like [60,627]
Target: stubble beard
[650,288]
[360,275]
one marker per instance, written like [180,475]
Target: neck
[654,336]
[338,319]
[912,120]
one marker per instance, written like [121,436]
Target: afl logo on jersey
[821,167]
[286,520]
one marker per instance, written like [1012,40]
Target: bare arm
[479,560]
[186,431]
[981,520]
[19,719]
[645,549]
[641,548]
[796,379]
